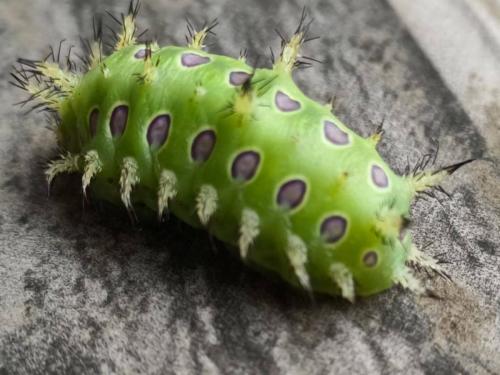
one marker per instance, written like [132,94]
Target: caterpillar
[237,150]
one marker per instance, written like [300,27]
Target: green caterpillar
[239,151]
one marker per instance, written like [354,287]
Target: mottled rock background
[82,291]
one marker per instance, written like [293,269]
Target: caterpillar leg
[407,280]
[297,254]
[249,230]
[92,166]
[167,190]
[66,164]
[343,278]
[418,260]
[128,179]
[422,260]
[206,203]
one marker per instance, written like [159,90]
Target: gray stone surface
[82,291]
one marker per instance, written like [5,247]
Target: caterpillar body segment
[216,155]
[242,152]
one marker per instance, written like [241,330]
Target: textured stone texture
[81,291]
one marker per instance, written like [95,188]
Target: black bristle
[49,55]
[380,128]
[310,39]
[114,18]
[133,9]
[436,152]
[20,78]
[147,55]
[272,54]
[452,168]
[28,62]
[284,38]
[114,37]
[97,27]
[142,33]
[247,85]
[190,28]
[59,51]
[69,63]
[213,24]
[244,53]
[303,17]
[441,189]
[207,26]
[313,59]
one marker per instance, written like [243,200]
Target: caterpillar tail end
[421,181]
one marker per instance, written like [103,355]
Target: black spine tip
[452,168]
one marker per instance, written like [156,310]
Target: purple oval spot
[291,193]
[141,54]
[118,120]
[238,78]
[370,259]
[93,121]
[203,145]
[285,103]
[245,165]
[334,134]
[379,177]
[192,59]
[158,130]
[333,228]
